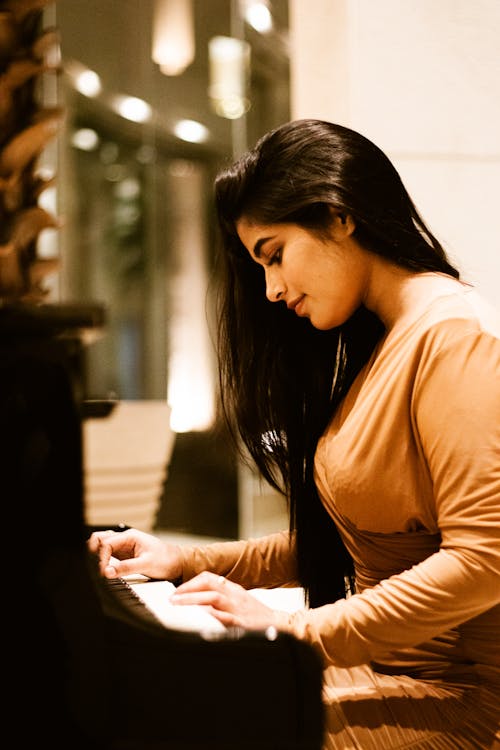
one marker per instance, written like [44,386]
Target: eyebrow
[257,248]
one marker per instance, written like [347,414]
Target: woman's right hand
[132,551]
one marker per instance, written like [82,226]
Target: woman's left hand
[229,602]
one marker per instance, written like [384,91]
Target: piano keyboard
[150,600]
[154,596]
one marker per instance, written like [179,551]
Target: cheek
[336,305]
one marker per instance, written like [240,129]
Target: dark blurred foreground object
[86,670]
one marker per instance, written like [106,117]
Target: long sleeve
[455,420]
[266,562]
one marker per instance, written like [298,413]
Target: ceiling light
[173,45]
[258,15]
[88,83]
[229,64]
[191,131]
[133,108]
[85,139]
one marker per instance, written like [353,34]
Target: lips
[295,302]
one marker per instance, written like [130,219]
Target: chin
[326,325]
[321,326]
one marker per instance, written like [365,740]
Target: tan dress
[409,469]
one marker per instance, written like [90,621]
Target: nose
[275,287]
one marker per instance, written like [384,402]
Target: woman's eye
[276,257]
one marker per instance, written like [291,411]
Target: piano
[88,665]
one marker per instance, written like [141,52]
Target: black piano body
[85,668]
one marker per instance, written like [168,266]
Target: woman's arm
[266,562]
[456,412]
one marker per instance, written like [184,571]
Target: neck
[398,296]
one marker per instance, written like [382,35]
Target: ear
[342,225]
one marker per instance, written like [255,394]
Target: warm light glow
[46,172]
[189,392]
[173,36]
[47,245]
[85,139]
[88,83]
[133,108]
[258,15]
[229,61]
[191,388]
[128,189]
[191,131]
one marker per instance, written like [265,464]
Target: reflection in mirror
[144,137]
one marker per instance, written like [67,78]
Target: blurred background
[159,95]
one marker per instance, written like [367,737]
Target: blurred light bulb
[133,108]
[258,15]
[88,83]
[173,45]
[191,131]
[229,63]
[85,139]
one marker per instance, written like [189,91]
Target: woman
[371,397]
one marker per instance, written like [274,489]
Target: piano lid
[65,320]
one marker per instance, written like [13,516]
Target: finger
[111,543]
[208,589]
[206,581]
[105,551]
[94,541]
[115,568]
[226,617]
[197,597]
[105,556]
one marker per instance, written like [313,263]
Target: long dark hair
[281,379]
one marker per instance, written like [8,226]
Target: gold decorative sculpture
[26,127]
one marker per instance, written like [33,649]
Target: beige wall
[422,80]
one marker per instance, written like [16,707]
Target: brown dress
[409,469]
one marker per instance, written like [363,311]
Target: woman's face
[325,280]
